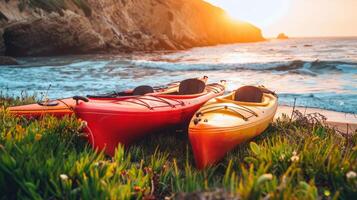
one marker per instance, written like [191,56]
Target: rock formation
[70,33]
[6,60]
[282,36]
[2,44]
[51,27]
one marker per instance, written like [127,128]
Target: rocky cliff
[48,27]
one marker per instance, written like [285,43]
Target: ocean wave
[330,101]
[297,66]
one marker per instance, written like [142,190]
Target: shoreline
[343,122]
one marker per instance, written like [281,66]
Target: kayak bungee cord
[143,103]
[231,108]
[239,107]
[157,99]
[68,106]
[220,108]
[165,101]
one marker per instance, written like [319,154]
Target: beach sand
[344,122]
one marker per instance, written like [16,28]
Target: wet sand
[344,122]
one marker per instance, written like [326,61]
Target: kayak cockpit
[249,96]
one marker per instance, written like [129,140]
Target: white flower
[64,177]
[294,158]
[351,175]
[99,164]
[268,176]
[294,153]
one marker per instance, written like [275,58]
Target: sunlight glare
[259,12]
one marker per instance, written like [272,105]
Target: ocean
[317,72]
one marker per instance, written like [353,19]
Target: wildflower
[294,158]
[83,124]
[64,177]
[148,170]
[351,175]
[99,163]
[165,167]
[137,188]
[327,193]
[294,153]
[38,137]
[268,176]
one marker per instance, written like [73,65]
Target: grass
[50,159]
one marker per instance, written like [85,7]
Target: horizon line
[326,36]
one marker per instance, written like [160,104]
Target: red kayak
[63,107]
[128,119]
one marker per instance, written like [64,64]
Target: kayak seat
[249,94]
[142,90]
[191,86]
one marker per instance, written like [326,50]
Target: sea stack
[282,36]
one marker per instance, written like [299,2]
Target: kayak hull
[221,128]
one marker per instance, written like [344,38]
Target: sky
[296,18]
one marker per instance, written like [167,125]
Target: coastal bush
[49,158]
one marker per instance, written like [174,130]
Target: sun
[259,12]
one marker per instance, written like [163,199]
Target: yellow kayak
[227,121]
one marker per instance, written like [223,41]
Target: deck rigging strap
[236,109]
[142,103]
[68,106]
[239,107]
[163,100]
[157,99]
[223,108]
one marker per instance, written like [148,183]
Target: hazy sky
[296,17]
